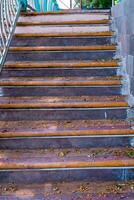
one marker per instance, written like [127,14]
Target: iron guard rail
[9,13]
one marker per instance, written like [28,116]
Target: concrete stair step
[63,64]
[64,102]
[69,190]
[74,17]
[67,158]
[42,30]
[67,19]
[65,128]
[61,81]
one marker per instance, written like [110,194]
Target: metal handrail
[9,13]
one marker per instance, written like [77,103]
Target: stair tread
[64,48]
[60,81]
[104,189]
[63,18]
[63,102]
[66,63]
[66,158]
[79,29]
[64,128]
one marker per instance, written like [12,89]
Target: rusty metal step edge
[82,22]
[106,108]
[107,33]
[76,134]
[64,48]
[130,166]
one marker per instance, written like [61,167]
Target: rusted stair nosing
[90,22]
[105,33]
[57,83]
[64,64]
[67,134]
[64,48]
[127,163]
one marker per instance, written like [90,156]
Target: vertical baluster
[2,20]
[6,16]
[8,12]
[13,7]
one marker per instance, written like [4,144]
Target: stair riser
[59,91]
[79,142]
[59,114]
[59,72]
[61,41]
[40,176]
[65,196]
[65,55]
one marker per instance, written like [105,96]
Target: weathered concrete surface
[123,15]
[61,29]
[64,18]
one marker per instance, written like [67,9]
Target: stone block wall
[123,24]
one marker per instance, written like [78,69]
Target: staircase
[64,130]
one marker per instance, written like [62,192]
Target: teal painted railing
[44,5]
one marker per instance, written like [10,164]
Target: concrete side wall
[123,16]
